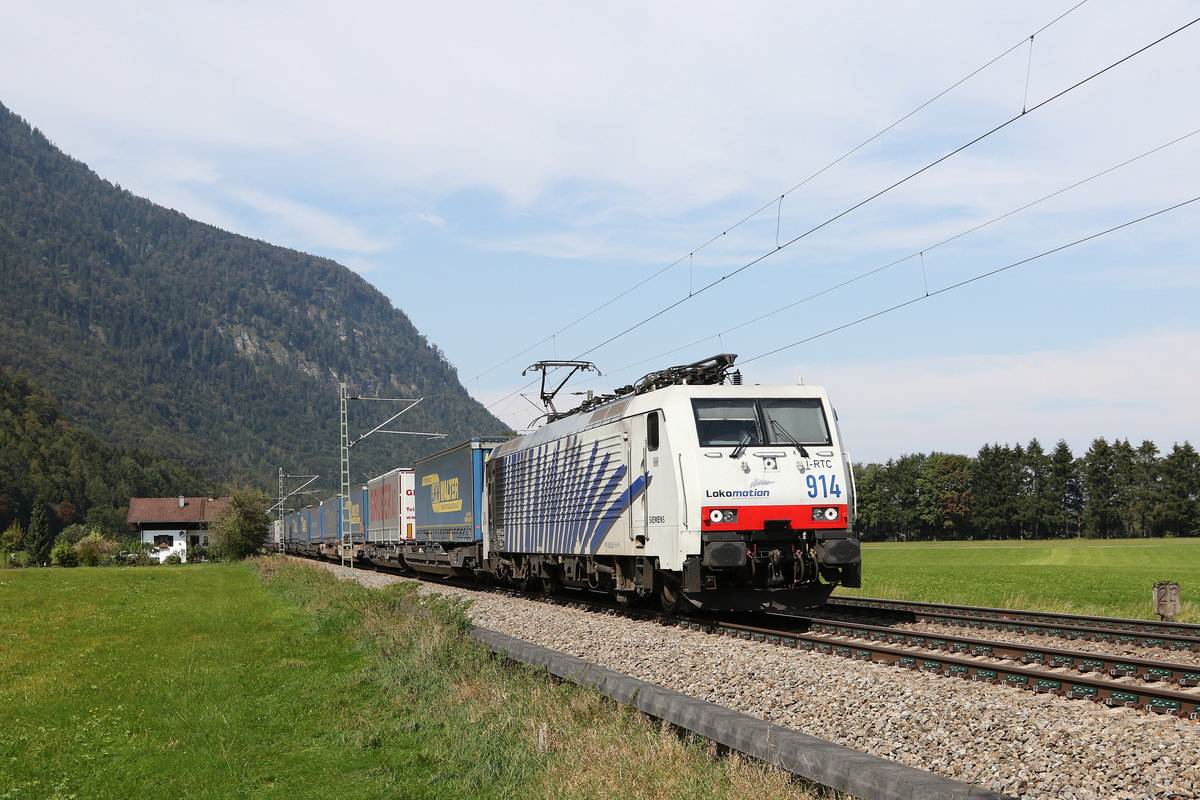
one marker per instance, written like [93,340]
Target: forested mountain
[166,334]
[47,463]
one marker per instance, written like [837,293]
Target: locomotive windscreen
[733,423]
[802,418]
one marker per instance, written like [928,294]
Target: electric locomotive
[688,486]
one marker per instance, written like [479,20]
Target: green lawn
[167,682]
[276,680]
[1112,576]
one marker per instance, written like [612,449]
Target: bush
[72,534]
[241,529]
[173,559]
[63,553]
[198,555]
[11,539]
[21,558]
[138,556]
[94,550]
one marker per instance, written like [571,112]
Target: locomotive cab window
[652,430]
[727,423]
[736,423]
[799,419]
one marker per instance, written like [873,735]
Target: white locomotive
[702,492]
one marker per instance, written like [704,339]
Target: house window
[164,539]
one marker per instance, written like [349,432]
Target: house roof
[169,509]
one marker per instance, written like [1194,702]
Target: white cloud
[1140,387]
[683,103]
[321,230]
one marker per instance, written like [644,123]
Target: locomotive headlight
[722,515]
[824,514]
[831,514]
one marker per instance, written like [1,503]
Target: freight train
[686,487]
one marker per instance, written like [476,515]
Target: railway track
[1173,636]
[1043,670]
[1115,681]
[1130,682]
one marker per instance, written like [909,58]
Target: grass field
[218,681]
[1114,577]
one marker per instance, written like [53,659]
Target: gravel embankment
[1004,739]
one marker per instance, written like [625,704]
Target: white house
[173,524]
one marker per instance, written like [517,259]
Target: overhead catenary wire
[691,254]
[887,189]
[971,280]
[927,295]
[910,256]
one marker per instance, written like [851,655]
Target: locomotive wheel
[669,597]
[551,585]
[627,599]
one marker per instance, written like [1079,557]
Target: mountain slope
[163,333]
[44,460]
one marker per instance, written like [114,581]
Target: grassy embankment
[207,682]
[1114,577]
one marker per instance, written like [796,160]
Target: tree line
[1022,492]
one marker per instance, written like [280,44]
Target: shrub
[72,534]
[241,529]
[198,555]
[63,553]
[132,554]
[11,539]
[94,550]
[173,559]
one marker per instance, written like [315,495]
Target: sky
[644,184]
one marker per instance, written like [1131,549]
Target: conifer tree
[1181,491]
[1064,494]
[39,539]
[1100,491]
[1037,507]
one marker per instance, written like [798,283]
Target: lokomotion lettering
[737,493]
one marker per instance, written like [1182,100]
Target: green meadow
[1113,577]
[276,680]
